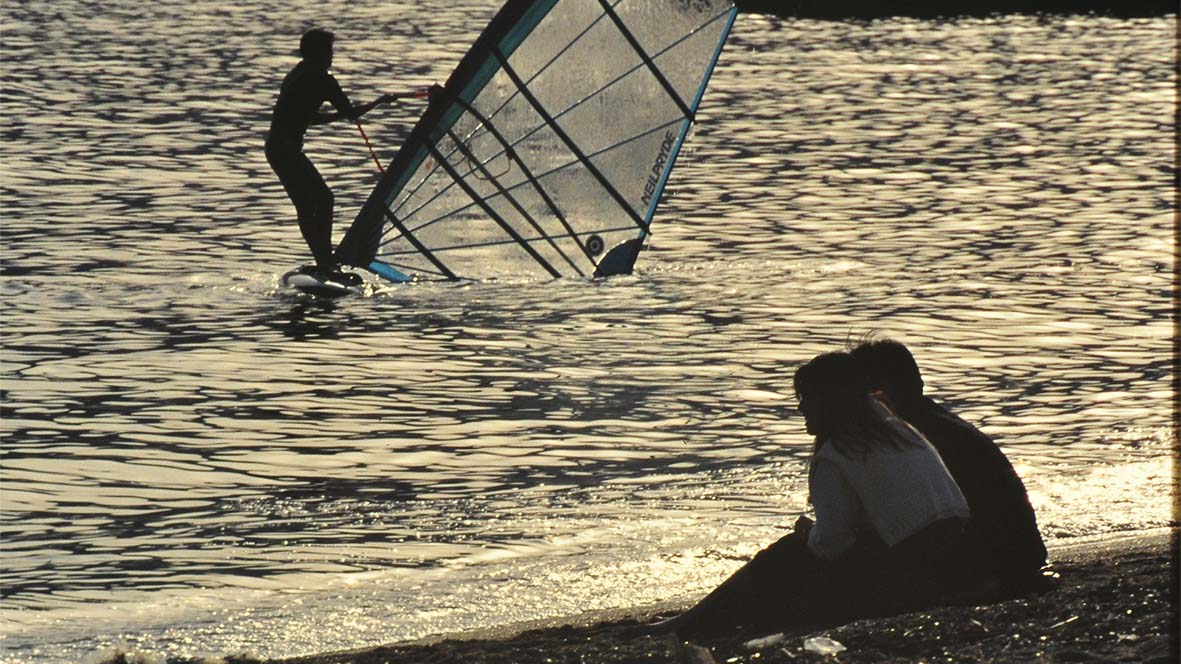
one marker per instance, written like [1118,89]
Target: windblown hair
[315,44]
[889,363]
[851,420]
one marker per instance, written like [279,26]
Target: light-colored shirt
[895,492]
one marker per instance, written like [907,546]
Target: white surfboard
[334,285]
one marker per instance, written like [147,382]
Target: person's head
[316,46]
[827,387]
[834,395]
[892,369]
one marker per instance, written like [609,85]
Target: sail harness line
[631,39]
[549,120]
[370,146]
[570,108]
[467,153]
[569,164]
[549,202]
[475,196]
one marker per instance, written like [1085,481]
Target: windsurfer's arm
[355,112]
[344,108]
[352,113]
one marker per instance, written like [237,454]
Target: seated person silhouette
[888,516]
[1002,550]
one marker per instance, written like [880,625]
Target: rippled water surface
[196,461]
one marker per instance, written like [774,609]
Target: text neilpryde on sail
[657,169]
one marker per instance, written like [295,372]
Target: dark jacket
[1001,537]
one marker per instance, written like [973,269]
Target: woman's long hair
[850,419]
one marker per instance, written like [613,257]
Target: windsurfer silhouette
[304,90]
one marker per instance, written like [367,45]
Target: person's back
[899,489]
[1001,540]
[305,88]
[1002,537]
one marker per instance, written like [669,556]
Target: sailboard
[307,280]
[546,152]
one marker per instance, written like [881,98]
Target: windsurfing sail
[548,148]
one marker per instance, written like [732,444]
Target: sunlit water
[196,461]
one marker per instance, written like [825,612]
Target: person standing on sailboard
[304,90]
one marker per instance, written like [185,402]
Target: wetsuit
[304,90]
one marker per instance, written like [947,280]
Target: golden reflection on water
[189,450]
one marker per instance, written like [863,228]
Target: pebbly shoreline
[1116,599]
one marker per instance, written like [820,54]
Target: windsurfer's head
[316,46]
[892,369]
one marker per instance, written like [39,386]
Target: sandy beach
[1115,600]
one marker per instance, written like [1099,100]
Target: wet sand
[1115,600]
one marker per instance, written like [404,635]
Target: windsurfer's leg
[312,198]
[315,221]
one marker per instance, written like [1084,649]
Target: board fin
[621,259]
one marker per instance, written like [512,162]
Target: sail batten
[646,59]
[565,138]
[550,145]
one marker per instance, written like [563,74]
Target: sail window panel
[685,61]
[565,25]
[586,204]
[594,61]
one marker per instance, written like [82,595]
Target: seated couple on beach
[913,506]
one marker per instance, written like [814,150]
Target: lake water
[196,461]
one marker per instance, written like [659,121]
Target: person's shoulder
[326,76]
[937,414]
[830,452]
[311,74]
[947,430]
